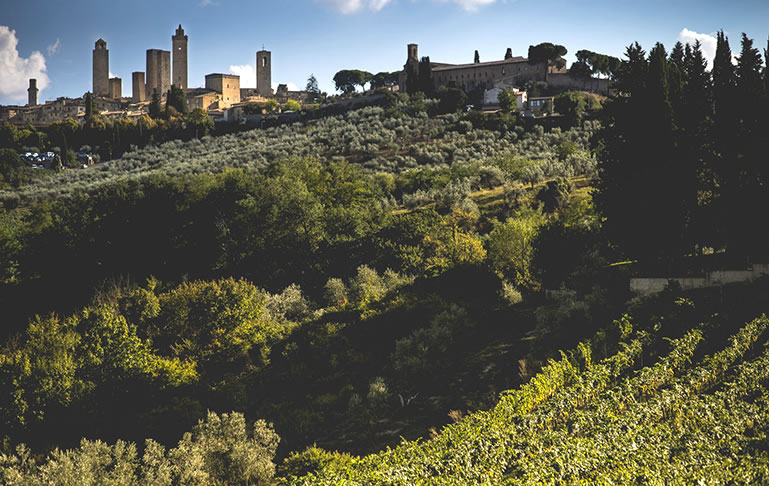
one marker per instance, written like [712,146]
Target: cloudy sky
[52,40]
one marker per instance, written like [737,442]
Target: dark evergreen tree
[675,80]
[90,109]
[645,190]
[723,85]
[154,108]
[750,174]
[426,76]
[176,99]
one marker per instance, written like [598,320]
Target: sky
[52,40]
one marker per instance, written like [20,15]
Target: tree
[550,54]
[313,90]
[555,194]
[589,63]
[630,164]
[221,451]
[572,105]
[507,101]
[155,110]
[382,79]
[477,57]
[510,247]
[451,99]
[10,162]
[347,79]
[176,99]
[199,121]
[508,53]
[426,76]
[90,108]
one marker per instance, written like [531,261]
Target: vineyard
[685,418]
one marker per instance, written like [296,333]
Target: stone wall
[565,81]
[651,285]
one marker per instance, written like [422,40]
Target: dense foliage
[700,181]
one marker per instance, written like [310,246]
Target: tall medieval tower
[101,69]
[180,58]
[32,91]
[158,75]
[264,73]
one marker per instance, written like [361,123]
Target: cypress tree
[723,82]
[425,76]
[676,73]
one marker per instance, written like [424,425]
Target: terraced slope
[686,418]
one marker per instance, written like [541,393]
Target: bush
[220,451]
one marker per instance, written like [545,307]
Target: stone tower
[413,54]
[115,88]
[158,72]
[264,73]
[101,69]
[139,93]
[32,100]
[410,73]
[179,42]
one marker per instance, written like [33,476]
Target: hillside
[393,140]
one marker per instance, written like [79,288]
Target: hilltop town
[224,99]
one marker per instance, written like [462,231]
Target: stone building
[43,115]
[226,84]
[101,69]
[179,41]
[203,98]
[139,88]
[158,72]
[471,76]
[264,73]
[32,91]
[115,88]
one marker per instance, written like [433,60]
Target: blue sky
[53,39]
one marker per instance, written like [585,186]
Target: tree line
[683,151]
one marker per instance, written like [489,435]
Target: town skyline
[324,36]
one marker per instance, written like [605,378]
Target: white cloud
[377,5]
[707,41]
[247,74]
[15,71]
[54,47]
